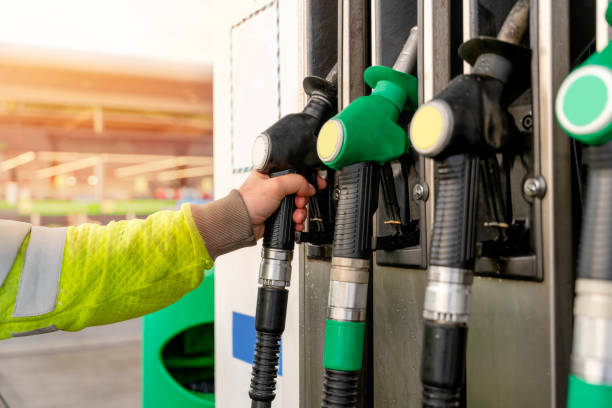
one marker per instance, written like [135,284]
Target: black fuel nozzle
[466,122]
[291,142]
[288,146]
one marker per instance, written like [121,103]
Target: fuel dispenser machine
[454,196]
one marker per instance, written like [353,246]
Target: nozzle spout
[516,23]
[332,75]
[498,64]
[406,62]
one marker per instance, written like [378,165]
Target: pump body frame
[523,326]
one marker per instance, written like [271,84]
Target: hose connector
[275,267]
[447,295]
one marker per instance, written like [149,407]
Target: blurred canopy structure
[99,128]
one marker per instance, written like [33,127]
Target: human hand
[263,195]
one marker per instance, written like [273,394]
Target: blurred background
[105,114]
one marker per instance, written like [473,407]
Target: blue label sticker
[244,339]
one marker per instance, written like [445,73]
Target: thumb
[293,184]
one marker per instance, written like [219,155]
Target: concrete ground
[96,367]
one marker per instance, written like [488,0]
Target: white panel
[254,81]
[247,100]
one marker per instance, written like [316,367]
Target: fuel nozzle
[470,114]
[356,143]
[465,122]
[584,111]
[291,142]
[368,131]
[354,135]
[583,105]
[288,146]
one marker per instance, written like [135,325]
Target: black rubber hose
[443,364]
[453,237]
[261,404]
[265,366]
[595,257]
[356,206]
[269,326]
[340,389]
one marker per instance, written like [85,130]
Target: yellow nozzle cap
[329,142]
[431,126]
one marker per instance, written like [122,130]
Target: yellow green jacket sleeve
[107,273]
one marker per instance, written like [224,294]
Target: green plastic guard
[159,388]
[343,349]
[369,124]
[581,394]
[584,101]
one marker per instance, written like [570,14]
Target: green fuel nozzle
[584,101]
[465,122]
[288,146]
[584,110]
[356,142]
[367,129]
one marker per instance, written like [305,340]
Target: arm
[108,273]
[94,275]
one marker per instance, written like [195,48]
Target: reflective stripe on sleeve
[12,234]
[40,276]
[48,329]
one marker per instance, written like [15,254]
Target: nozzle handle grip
[595,257]
[454,232]
[356,206]
[279,228]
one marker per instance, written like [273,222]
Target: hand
[263,195]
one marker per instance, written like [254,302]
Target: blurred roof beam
[116,157]
[18,160]
[138,169]
[68,167]
[185,173]
[149,163]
